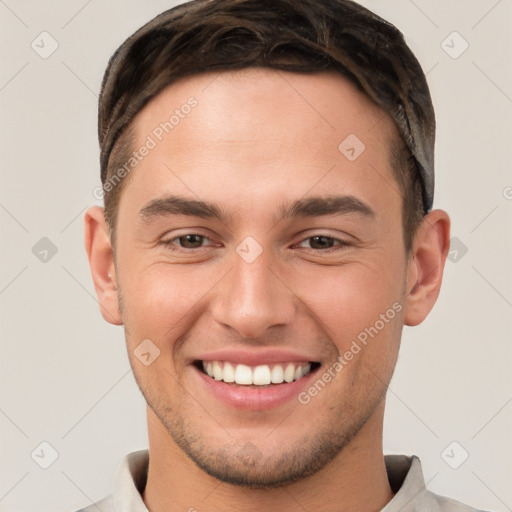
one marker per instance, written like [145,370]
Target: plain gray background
[64,373]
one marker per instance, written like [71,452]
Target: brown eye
[190,241]
[321,242]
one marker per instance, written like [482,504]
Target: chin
[248,467]
[259,465]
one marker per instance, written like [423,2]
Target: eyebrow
[330,205]
[306,207]
[177,205]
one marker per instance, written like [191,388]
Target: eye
[188,241]
[322,242]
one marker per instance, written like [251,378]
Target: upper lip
[254,357]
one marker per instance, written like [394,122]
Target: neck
[355,480]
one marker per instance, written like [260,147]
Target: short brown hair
[296,35]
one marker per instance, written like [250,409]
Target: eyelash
[340,243]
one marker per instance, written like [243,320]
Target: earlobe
[101,261]
[426,266]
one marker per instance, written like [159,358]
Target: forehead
[258,129]
[325,100]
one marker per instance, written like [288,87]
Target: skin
[251,144]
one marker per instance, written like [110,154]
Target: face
[252,246]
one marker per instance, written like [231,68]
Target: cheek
[350,299]
[360,308]
[161,300]
[160,304]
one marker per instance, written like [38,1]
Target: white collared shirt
[404,474]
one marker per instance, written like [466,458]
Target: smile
[260,375]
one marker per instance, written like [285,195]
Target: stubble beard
[244,464]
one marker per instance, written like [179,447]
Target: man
[267,232]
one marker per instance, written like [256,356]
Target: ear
[101,261]
[426,265]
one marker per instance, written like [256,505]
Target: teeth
[289,373]
[217,371]
[229,373]
[277,375]
[261,375]
[243,374]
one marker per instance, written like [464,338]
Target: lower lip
[254,398]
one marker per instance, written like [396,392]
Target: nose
[252,297]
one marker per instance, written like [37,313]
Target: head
[268,178]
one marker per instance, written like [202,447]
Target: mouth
[258,376]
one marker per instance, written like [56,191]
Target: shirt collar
[130,483]
[404,473]
[407,482]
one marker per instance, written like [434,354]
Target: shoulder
[444,504]
[128,485]
[105,505]
[406,479]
